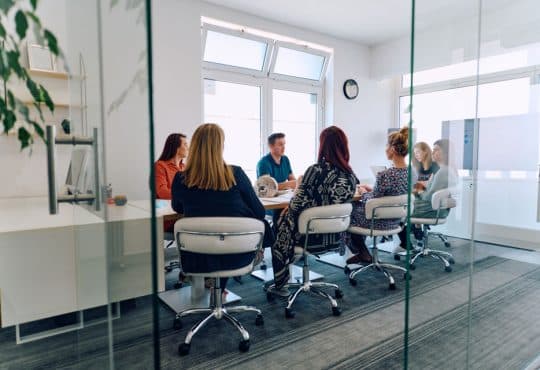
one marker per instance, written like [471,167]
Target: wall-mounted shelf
[56,105]
[51,74]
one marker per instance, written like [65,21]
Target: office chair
[441,200]
[317,220]
[384,208]
[168,236]
[218,247]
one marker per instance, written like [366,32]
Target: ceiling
[369,22]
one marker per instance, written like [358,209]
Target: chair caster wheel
[397,257]
[407,276]
[238,279]
[243,346]
[178,285]
[336,311]
[448,268]
[451,261]
[289,314]
[259,320]
[183,349]
[412,267]
[263,267]
[270,297]
[338,294]
[168,269]
[392,286]
[447,244]
[346,270]
[177,324]
[353,282]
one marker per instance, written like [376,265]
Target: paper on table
[280,198]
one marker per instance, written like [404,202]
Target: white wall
[177,78]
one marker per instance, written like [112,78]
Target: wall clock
[350,89]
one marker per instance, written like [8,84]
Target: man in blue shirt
[276,164]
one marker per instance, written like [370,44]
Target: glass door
[76,250]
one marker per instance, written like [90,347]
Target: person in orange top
[169,163]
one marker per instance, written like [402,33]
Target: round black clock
[350,89]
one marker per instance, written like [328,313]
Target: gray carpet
[369,333]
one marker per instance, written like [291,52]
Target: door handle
[53,196]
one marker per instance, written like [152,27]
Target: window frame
[304,49]
[241,34]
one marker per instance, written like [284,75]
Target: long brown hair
[426,163]
[205,167]
[173,142]
[399,140]
[334,148]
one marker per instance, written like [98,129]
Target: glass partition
[76,278]
[474,85]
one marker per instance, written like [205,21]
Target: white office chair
[228,246]
[317,220]
[440,200]
[384,208]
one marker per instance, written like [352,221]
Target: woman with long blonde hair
[423,164]
[209,187]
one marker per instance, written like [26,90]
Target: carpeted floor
[368,334]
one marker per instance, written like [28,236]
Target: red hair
[334,148]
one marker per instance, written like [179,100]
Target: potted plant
[22,15]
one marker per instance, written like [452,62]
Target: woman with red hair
[329,181]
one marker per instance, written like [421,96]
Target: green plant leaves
[24,137]
[21,24]
[9,120]
[5,5]
[46,98]
[34,4]
[51,42]
[2,30]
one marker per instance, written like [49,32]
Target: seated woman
[390,182]
[442,179]
[423,165]
[330,181]
[169,163]
[208,187]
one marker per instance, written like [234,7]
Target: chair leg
[198,326]
[237,325]
[293,297]
[194,311]
[325,295]
[239,309]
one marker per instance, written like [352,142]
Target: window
[265,86]
[237,109]
[300,64]
[249,53]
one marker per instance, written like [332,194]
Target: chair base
[446,258]
[309,286]
[377,265]
[216,311]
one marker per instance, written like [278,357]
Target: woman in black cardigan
[209,187]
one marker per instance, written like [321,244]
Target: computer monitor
[80,176]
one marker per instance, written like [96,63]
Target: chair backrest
[444,199]
[391,207]
[218,235]
[333,218]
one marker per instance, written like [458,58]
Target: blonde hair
[205,167]
[426,163]
[399,140]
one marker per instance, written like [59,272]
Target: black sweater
[238,201]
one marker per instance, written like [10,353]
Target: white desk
[56,264]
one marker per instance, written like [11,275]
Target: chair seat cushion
[367,232]
[428,221]
[225,273]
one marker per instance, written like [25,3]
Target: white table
[56,264]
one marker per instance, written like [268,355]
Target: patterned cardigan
[323,184]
